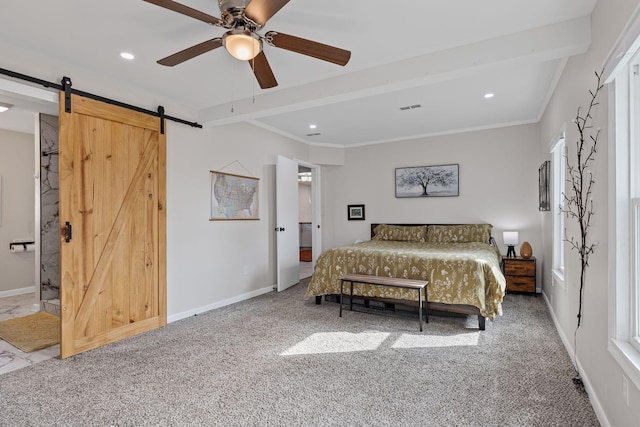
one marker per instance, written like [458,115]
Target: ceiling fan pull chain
[233,86]
[253,81]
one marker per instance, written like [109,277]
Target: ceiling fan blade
[308,47]
[192,52]
[262,71]
[185,10]
[260,11]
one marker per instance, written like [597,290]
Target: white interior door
[316,241]
[287,228]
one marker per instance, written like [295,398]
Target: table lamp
[510,239]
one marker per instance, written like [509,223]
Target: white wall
[498,184]
[213,263]
[17,271]
[601,373]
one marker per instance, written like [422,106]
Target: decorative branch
[578,204]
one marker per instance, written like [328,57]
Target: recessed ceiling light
[4,107]
[127,55]
[312,126]
[488,95]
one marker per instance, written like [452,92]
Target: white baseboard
[178,316]
[20,291]
[597,407]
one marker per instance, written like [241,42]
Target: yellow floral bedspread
[458,273]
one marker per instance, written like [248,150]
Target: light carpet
[278,360]
[32,332]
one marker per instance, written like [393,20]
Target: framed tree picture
[427,181]
[543,186]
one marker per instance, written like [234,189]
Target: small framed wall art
[543,186]
[355,212]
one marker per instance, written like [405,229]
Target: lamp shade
[510,237]
[242,45]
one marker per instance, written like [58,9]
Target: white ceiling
[443,55]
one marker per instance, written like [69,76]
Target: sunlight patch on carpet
[431,341]
[337,342]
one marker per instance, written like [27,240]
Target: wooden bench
[394,282]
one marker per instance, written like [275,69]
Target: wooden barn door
[112,193]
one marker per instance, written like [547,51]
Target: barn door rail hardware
[65,87]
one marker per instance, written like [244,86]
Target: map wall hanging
[233,197]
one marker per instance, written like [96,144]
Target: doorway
[21,294]
[305,217]
[288,220]
[26,104]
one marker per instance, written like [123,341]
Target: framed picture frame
[355,212]
[543,186]
[233,197]
[428,181]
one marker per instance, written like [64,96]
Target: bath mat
[32,332]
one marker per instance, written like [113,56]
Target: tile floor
[12,358]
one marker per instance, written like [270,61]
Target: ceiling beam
[546,43]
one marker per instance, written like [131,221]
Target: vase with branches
[578,203]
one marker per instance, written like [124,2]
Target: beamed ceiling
[439,56]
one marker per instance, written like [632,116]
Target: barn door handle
[279,228]
[69,232]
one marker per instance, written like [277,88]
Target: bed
[458,260]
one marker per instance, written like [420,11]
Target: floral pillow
[401,233]
[459,233]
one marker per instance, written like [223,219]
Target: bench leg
[426,305]
[420,308]
[351,297]
[318,299]
[341,293]
[481,320]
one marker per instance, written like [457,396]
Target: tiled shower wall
[49,212]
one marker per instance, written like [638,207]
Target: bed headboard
[491,241]
[373,226]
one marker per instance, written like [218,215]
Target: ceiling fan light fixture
[243,45]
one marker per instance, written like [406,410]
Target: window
[635,288]
[558,167]
[622,74]
[634,199]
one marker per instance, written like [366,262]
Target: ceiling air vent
[313,134]
[410,107]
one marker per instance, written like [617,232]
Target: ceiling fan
[243,19]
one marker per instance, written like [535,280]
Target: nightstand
[520,274]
